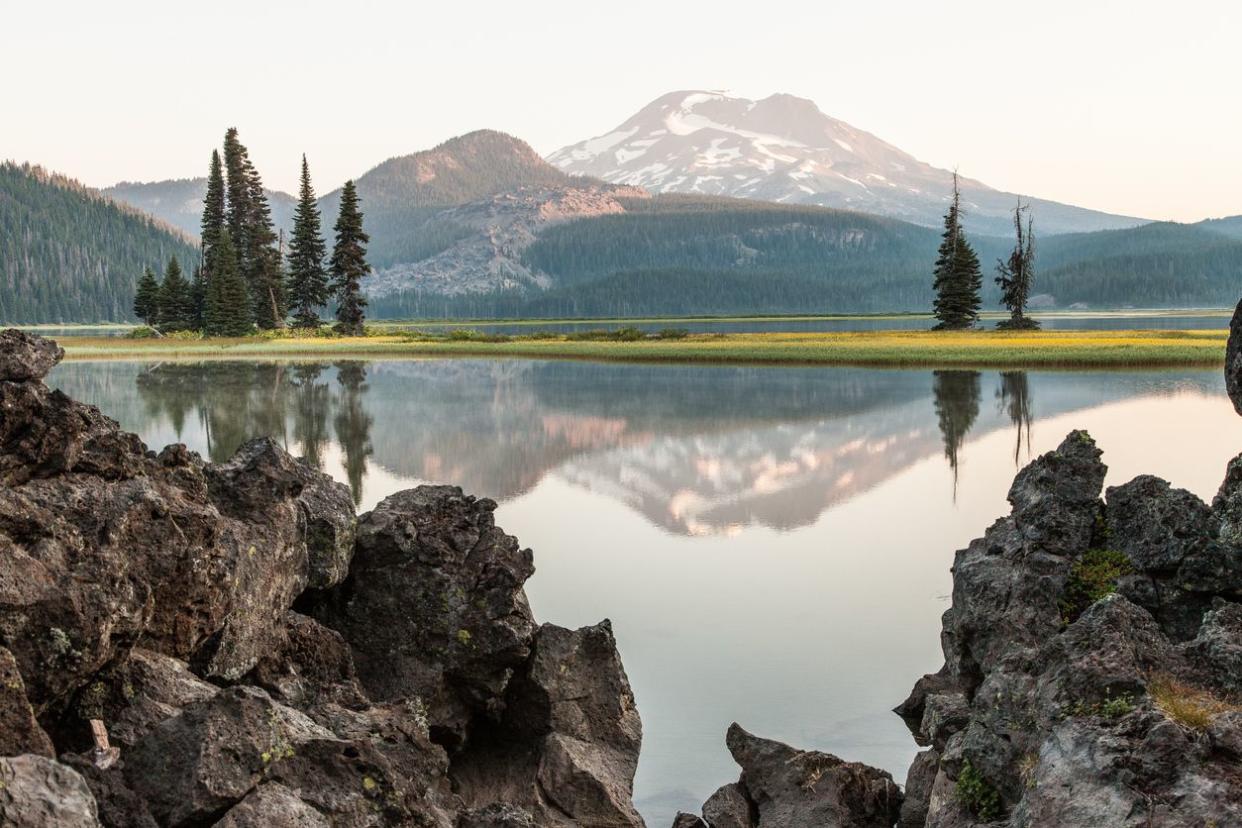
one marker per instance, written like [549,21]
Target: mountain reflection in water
[696,450]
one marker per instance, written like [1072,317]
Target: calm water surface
[771,544]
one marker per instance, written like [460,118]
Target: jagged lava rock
[25,357]
[1233,359]
[252,669]
[783,787]
[567,746]
[1043,718]
[433,606]
[19,732]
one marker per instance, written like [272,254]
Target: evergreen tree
[226,310]
[261,261]
[1015,275]
[308,280]
[349,264]
[147,299]
[958,278]
[198,295]
[176,299]
[213,204]
[237,169]
[249,220]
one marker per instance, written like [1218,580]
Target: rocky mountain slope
[784,149]
[179,202]
[485,241]
[400,194]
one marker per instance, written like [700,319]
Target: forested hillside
[179,202]
[678,254]
[1229,226]
[67,254]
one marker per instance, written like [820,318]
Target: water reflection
[957,406]
[233,402]
[695,450]
[1014,397]
[781,536]
[353,423]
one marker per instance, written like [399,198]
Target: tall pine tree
[308,287]
[958,277]
[226,309]
[213,204]
[262,259]
[237,171]
[176,300]
[349,264]
[147,299]
[213,224]
[249,219]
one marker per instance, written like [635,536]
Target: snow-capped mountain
[783,148]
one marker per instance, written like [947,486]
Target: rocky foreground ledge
[260,656]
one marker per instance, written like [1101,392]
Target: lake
[772,544]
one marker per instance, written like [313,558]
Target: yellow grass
[1047,349]
[1191,706]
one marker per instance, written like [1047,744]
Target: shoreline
[878,349]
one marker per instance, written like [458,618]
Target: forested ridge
[68,254]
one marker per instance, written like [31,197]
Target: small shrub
[184,335]
[1110,708]
[1191,706]
[672,333]
[976,795]
[1092,577]
[626,334]
[471,335]
[141,332]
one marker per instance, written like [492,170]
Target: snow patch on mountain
[783,148]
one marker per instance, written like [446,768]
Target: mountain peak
[784,148]
[464,168]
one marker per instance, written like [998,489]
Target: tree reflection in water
[956,400]
[353,423]
[235,402]
[1014,399]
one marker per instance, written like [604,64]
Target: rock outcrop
[262,656]
[782,787]
[1091,659]
[1233,359]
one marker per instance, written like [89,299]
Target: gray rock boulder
[730,807]
[36,792]
[272,806]
[782,787]
[792,788]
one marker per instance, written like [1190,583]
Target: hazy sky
[1132,107]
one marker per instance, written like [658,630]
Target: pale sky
[1131,107]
